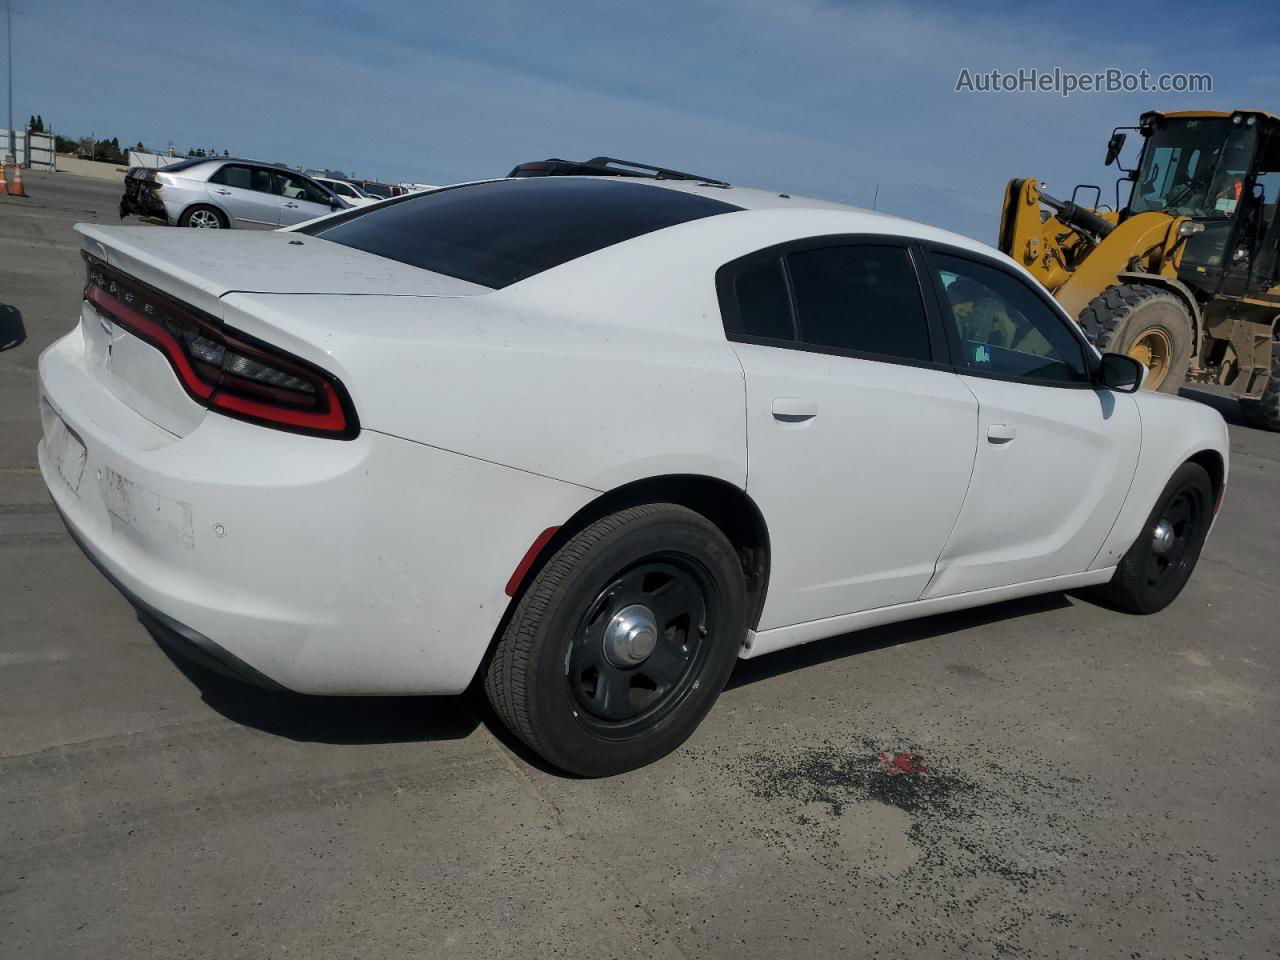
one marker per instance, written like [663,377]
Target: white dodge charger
[592,439]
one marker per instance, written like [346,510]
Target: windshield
[1195,168]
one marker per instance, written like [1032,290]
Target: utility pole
[8,17]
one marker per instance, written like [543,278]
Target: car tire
[570,674]
[1265,410]
[1156,568]
[1149,324]
[202,216]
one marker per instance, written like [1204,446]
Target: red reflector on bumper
[522,568]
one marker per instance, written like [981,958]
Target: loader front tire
[1148,323]
[1265,411]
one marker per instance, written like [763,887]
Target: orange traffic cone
[4,179]
[17,189]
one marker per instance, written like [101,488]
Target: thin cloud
[823,98]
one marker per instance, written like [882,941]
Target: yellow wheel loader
[1185,276]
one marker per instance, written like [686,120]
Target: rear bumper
[370,566]
[174,636]
[140,199]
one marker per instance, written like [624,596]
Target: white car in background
[594,439]
[347,191]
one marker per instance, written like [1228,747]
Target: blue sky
[826,98]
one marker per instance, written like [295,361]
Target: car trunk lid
[196,269]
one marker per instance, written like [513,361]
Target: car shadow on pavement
[12,332]
[877,638]
[357,720]
[336,720]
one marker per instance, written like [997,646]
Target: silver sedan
[218,193]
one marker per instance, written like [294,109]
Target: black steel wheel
[1156,568]
[622,642]
[640,643]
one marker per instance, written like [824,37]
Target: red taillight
[224,369]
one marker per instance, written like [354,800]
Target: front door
[859,443]
[300,199]
[1055,456]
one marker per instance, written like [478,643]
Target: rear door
[299,199]
[1055,456]
[860,440]
[247,195]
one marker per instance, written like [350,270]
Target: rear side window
[244,178]
[763,301]
[865,299]
[499,233]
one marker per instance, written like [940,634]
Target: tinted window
[499,233]
[1005,328]
[299,188]
[861,298]
[763,302]
[183,164]
[244,178]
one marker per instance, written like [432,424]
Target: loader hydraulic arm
[1078,218]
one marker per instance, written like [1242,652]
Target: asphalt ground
[1041,778]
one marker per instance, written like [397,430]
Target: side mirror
[336,204]
[1121,373]
[1114,146]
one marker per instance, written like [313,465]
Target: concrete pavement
[1094,784]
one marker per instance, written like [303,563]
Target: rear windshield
[182,164]
[499,233]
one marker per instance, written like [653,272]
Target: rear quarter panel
[604,376]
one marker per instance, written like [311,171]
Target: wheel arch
[726,505]
[1215,466]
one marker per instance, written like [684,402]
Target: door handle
[225,193]
[1001,433]
[794,409]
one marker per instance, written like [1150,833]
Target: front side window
[1194,168]
[298,188]
[1004,328]
[865,299]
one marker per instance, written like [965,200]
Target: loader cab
[1223,171]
